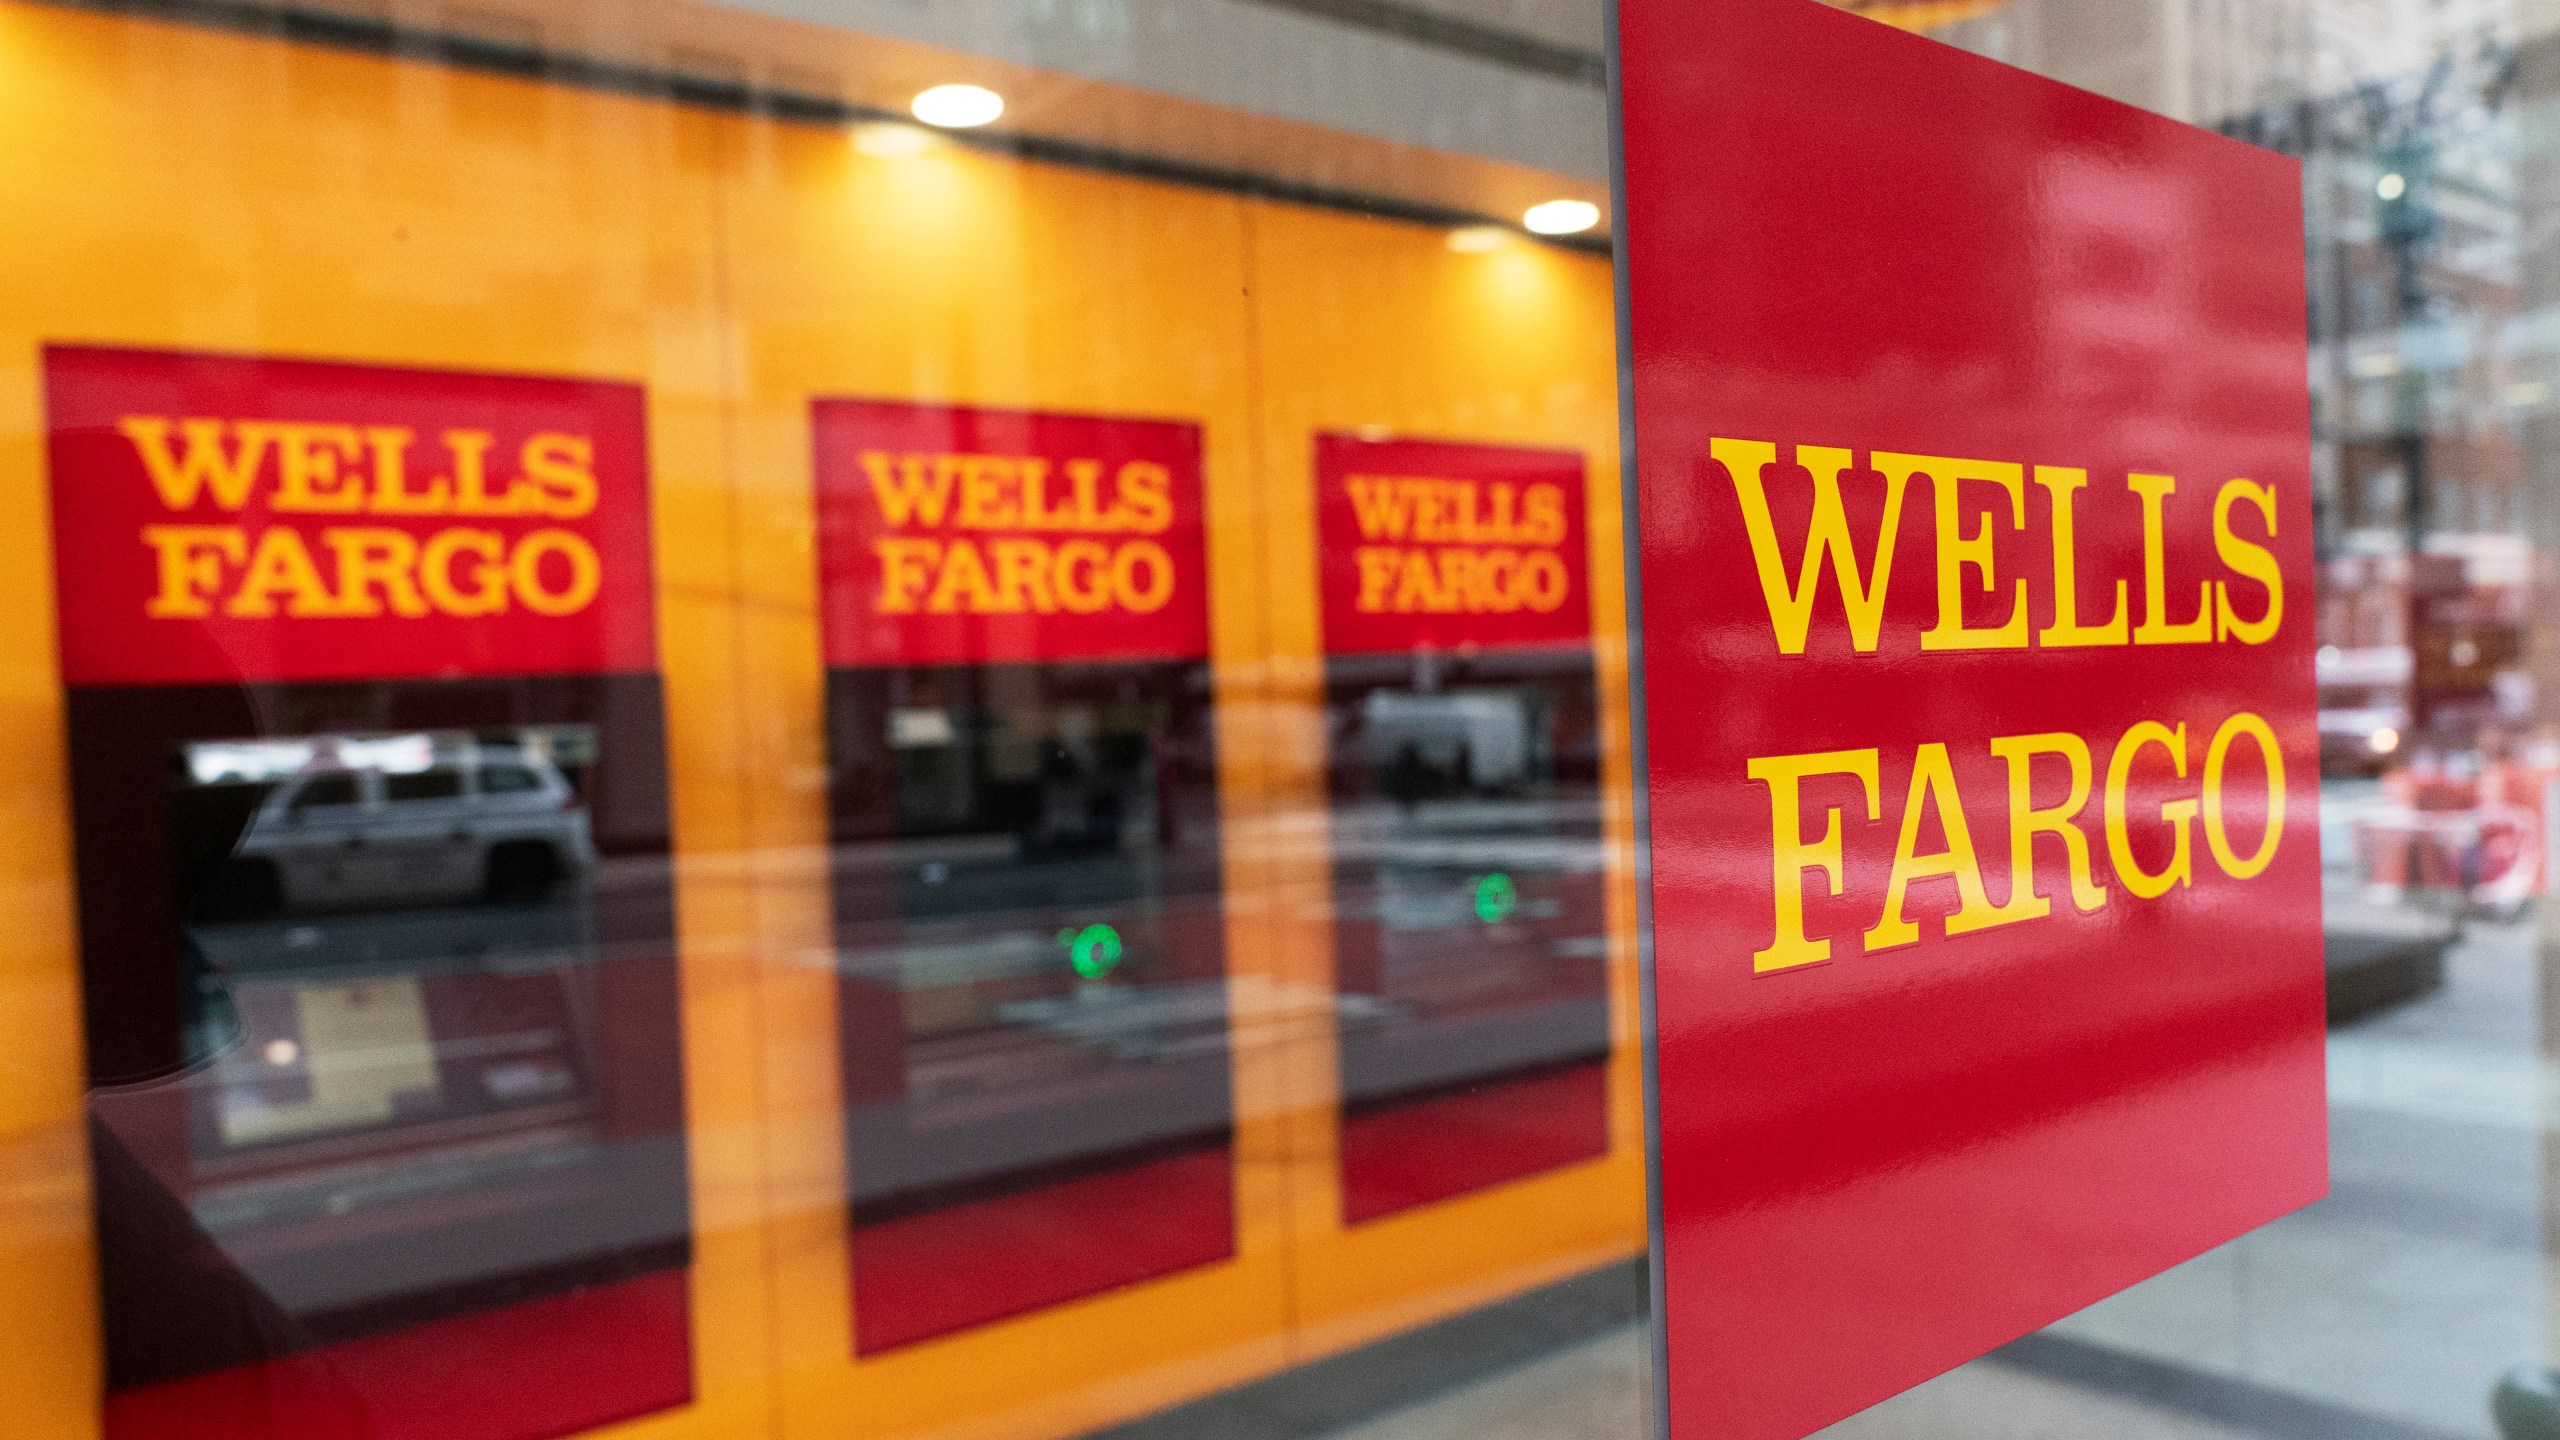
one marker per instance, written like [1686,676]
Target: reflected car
[503,825]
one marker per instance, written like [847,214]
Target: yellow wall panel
[954,276]
[1382,329]
[194,190]
[201,190]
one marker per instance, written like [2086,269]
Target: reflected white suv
[502,824]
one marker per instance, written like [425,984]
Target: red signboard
[1976,567]
[958,536]
[220,518]
[1430,545]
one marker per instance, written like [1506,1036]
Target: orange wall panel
[202,190]
[1382,329]
[953,276]
[197,190]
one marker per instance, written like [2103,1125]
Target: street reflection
[1029,931]
[427,1066]
[1470,925]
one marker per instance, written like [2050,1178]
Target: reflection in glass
[1470,933]
[417,1097]
[1030,944]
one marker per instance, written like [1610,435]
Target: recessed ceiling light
[957,107]
[2392,186]
[1561,217]
[889,140]
[1478,239]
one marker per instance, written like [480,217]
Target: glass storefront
[911,718]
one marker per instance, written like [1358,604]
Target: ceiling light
[957,107]
[1478,239]
[1561,217]
[2391,186]
[888,140]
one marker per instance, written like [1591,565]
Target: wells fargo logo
[315,548]
[2162,786]
[1432,544]
[225,518]
[980,534]
[959,535]
[1458,546]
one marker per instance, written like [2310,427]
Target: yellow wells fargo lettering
[1967,498]
[303,569]
[1108,565]
[1453,546]
[1962,524]
[1933,792]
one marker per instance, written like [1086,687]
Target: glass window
[2412,1301]
[509,779]
[438,784]
[324,791]
[912,720]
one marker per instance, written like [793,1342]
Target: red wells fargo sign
[954,535]
[229,519]
[1974,523]
[1434,545]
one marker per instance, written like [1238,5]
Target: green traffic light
[1094,951]
[1496,898]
